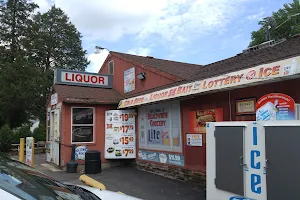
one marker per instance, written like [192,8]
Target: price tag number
[125,117]
[174,157]
[125,129]
[126,140]
[128,151]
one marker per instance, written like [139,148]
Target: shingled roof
[287,49]
[91,95]
[281,51]
[179,69]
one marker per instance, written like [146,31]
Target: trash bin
[92,162]
[72,167]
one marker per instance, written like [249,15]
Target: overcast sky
[193,31]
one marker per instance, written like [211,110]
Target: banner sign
[261,73]
[29,151]
[275,106]
[120,134]
[177,91]
[66,77]
[164,158]
[54,99]
[129,80]
[198,119]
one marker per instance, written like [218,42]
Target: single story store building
[167,105]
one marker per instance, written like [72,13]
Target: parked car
[19,181]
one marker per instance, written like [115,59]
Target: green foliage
[6,138]
[288,25]
[21,132]
[39,133]
[33,45]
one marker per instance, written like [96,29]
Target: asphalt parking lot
[131,181]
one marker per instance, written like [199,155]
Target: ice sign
[80,152]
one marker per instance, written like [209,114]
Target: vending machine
[253,160]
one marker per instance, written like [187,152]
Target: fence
[39,147]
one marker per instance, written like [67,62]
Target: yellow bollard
[91,182]
[21,150]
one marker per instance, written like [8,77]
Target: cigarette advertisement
[275,106]
[120,134]
[198,119]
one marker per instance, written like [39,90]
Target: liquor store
[154,112]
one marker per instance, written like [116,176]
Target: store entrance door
[56,137]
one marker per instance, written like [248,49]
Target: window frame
[171,147]
[88,125]
[113,67]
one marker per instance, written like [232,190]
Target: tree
[54,43]
[17,79]
[6,138]
[287,20]
[31,47]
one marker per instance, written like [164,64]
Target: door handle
[242,161]
[266,164]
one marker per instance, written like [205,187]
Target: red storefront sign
[82,79]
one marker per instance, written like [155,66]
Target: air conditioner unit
[297,110]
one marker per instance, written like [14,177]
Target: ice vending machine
[253,160]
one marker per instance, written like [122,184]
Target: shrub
[6,138]
[21,132]
[39,133]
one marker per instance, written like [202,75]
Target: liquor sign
[66,77]
[275,106]
[120,134]
[261,73]
[29,151]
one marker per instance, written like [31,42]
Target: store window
[82,125]
[111,67]
[160,127]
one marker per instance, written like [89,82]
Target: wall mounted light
[141,76]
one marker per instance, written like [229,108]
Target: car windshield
[30,184]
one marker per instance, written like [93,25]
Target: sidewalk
[131,181]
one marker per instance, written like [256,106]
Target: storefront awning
[284,69]
[89,95]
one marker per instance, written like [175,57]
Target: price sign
[127,116]
[126,140]
[126,128]
[120,134]
[126,152]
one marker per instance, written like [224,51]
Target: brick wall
[195,178]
